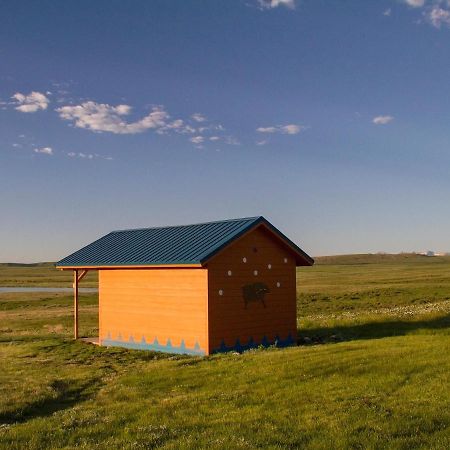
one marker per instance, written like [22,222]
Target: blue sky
[331,119]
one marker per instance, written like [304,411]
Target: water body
[46,289]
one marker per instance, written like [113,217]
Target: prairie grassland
[40,275]
[375,375]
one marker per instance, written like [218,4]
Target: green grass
[379,378]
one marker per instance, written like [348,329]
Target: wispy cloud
[44,150]
[387,12]
[382,120]
[197,139]
[101,117]
[415,3]
[263,142]
[120,119]
[80,155]
[270,4]
[198,117]
[283,129]
[436,12]
[87,156]
[438,16]
[30,103]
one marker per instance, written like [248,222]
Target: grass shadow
[369,330]
[63,396]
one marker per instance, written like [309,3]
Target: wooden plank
[163,304]
[228,317]
[75,303]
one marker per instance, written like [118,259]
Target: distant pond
[45,289]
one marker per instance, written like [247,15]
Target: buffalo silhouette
[255,293]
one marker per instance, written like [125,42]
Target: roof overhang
[132,266]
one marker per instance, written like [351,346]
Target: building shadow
[64,396]
[369,330]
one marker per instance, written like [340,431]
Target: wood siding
[229,316]
[166,304]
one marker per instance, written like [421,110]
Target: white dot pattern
[244,259]
[278,284]
[269,266]
[230,273]
[255,272]
[220,292]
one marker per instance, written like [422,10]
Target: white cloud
[103,117]
[30,103]
[438,16]
[44,150]
[270,4]
[88,156]
[187,129]
[263,142]
[283,129]
[387,12]
[415,3]
[436,12]
[175,125]
[198,117]
[197,139]
[266,129]
[210,128]
[214,138]
[291,129]
[382,120]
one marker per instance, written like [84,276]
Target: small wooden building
[196,289]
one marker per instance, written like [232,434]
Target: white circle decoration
[269,266]
[285,260]
[244,259]
[278,284]
[255,272]
[230,273]
[220,292]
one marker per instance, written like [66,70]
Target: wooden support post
[75,303]
[83,273]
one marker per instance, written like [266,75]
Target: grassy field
[373,370]
[40,275]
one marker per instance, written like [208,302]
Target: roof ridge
[189,224]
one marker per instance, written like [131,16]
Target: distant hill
[376,258]
[39,264]
[363,258]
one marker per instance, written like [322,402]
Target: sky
[331,119]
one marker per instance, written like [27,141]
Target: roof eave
[129,266]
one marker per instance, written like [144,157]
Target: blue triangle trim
[155,346]
[239,347]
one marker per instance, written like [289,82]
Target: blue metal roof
[184,244]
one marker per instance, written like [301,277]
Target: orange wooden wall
[243,263]
[154,303]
